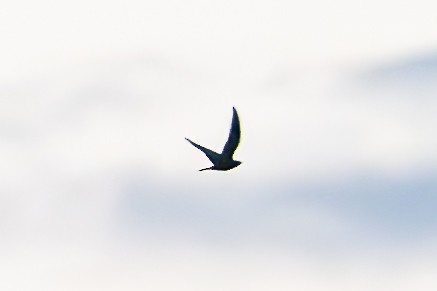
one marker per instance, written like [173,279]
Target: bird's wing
[234,137]
[212,156]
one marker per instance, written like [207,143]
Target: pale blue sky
[100,191]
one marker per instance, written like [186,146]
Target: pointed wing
[234,137]
[212,156]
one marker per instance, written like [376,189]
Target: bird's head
[237,163]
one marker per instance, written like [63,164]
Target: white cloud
[100,190]
[194,267]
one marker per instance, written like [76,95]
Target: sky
[100,190]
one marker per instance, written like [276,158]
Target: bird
[224,161]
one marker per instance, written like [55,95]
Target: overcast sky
[100,191]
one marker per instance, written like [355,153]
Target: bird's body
[224,161]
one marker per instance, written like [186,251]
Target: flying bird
[224,161]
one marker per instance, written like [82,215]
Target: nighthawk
[224,161]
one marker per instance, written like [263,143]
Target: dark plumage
[224,161]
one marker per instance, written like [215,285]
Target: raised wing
[212,156]
[234,137]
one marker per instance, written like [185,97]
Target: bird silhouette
[224,161]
